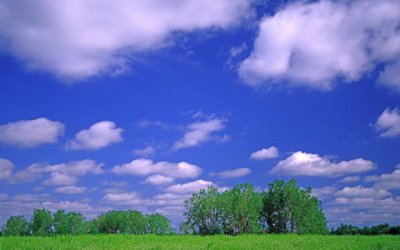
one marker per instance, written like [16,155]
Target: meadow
[201,242]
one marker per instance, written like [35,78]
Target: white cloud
[71,190]
[99,135]
[60,179]
[385,181]
[31,133]
[145,167]
[265,153]
[388,123]
[312,44]
[59,174]
[323,192]
[349,179]
[131,198]
[306,164]
[6,169]
[190,187]
[199,132]
[78,39]
[159,180]
[362,192]
[233,173]
[145,152]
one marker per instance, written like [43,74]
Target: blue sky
[135,105]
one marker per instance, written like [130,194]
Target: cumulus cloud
[144,152]
[71,190]
[388,123]
[6,169]
[233,173]
[307,164]
[265,153]
[362,192]
[386,180]
[131,198]
[99,135]
[312,44]
[59,174]
[200,132]
[190,187]
[159,180]
[143,167]
[349,179]
[78,39]
[31,133]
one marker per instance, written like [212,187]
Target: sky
[137,104]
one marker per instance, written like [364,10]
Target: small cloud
[265,153]
[200,132]
[349,179]
[71,190]
[99,135]
[362,192]
[386,180]
[233,173]
[190,187]
[31,133]
[306,164]
[6,169]
[143,167]
[145,152]
[388,123]
[159,180]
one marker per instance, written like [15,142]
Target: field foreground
[199,242]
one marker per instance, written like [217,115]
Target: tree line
[284,208]
[347,229]
[44,223]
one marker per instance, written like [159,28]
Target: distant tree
[42,222]
[288,208]
[16,226]
[157,224]
[122,222]
[202,212]
[91,227]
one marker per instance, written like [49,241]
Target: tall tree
[42,222]
[16,226]
[157,224]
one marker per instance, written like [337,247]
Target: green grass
[198,242]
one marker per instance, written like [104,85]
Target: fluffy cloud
[131,198]
[388,123]
[386,181]
[159,180]
[234,173]
[199,132]
[99,135]
[78,39]
[312,44]
[349,179]
[59,174]
[145,167]
[145,152]
[362,192]
[265,153]
[306,164]
[6,168]
[71,190]
[190,187]
[31,133]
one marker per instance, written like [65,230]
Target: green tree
[42,222]
[288,208]
[202,213]
[157,224]
[16,226]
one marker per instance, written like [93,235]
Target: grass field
[198,242]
